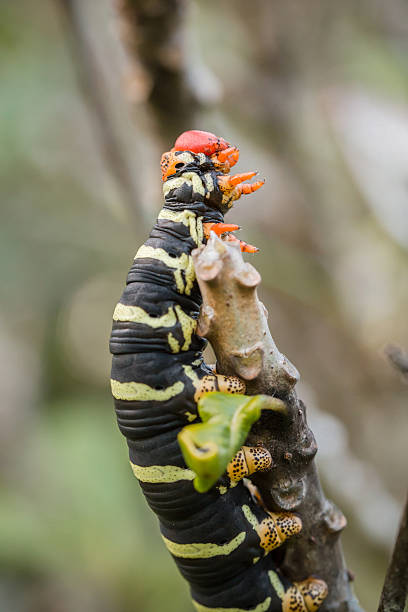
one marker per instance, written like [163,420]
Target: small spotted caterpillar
[220,538]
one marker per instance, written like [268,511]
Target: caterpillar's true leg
[227,182]
[305,596]
[232,187]
[222,228]
[246,189]
[244,246]
[230,155]
[219,228]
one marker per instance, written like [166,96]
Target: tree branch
[399,360]
[395,590]
[95,93]
[154,36]
[234,321]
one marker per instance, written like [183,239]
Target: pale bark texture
[235,322]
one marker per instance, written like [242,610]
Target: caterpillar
[218,535]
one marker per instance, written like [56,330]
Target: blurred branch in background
[156,37]
[156,88]
[120,155]
[356,485]
[399,360]
[395,590]
[394,593]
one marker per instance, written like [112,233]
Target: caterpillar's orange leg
[247,461]
[256,495]
[305,596]
[222,228]
[228,182]
[246,189]
[227,154]
[231,183]
[219,228]
[244,246]
[232,188]
[224,160]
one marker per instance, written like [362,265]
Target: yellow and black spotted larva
[220,538]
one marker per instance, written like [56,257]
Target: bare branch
[395,590]
[234,321]
[399,359]
[94,90]
[154,35]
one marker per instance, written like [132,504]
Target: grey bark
[395,590]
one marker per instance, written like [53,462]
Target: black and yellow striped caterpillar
[219,538]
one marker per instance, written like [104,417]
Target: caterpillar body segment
[220,539]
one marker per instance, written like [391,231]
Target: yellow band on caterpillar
[202,550]
[161,473]
[187,218]
[188,326]
[191,178]
[173,343]
[134,392]
[135,314]
[250,517]
[276,583]
[182,263]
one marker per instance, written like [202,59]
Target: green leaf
[209,446]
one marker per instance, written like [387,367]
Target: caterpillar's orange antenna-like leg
[235,179]
[248,248]
[244,246]
[246,189]
[231,155]
[232,187]
[229,181]
[219,228]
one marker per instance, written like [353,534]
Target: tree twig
[95,94]
[153,34]
[399,359]
[395,590]
[234,321]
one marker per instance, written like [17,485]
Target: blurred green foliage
[71,512]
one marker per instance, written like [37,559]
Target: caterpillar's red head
[198,141]
[222,154]
[197,167]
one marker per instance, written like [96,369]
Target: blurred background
[92,91]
